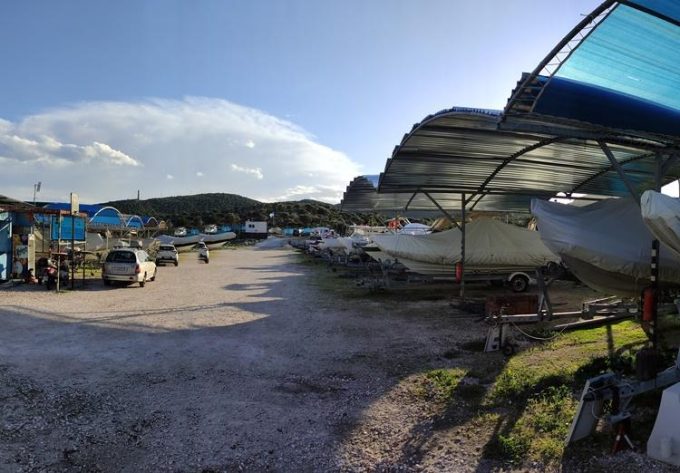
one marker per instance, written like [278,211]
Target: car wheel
[143,281]
[519,283]
[107,282]
[176,263]
[153,278]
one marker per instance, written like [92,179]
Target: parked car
[167,254]
[128,265]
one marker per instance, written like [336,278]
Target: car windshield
[167,248]
[121,257]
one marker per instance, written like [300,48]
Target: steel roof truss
[622,174]
[441,209]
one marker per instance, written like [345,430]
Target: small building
[253,229]
[17,242]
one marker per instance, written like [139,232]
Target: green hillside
[203,209]
[183,204]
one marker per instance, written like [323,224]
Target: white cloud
[108,150]
[169,177]
[257,172]
[21,145]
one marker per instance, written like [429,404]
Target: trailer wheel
[519,283]
[509,349]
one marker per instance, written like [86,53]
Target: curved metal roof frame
[105,209]
[131,219]
[463,152]
[359,196]
[618,69]
[150,221]
[362,195]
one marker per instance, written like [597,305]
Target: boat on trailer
[661,214]
[606,245]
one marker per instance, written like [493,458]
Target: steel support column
[462,247]
[654,273]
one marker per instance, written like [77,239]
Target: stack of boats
[607,244]
[491,246]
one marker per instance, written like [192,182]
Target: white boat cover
[488,242]
[415,229]
[332,244]
[605,244]
[217,237]
[661,214]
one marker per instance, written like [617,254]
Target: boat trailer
[595,312]
[619,392]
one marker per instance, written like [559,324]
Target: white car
[167,253]
[128,265]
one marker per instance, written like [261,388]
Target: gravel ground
[239,365]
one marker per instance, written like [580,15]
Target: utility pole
[36,189]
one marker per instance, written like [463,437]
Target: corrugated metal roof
[609,87]
[361,195]
[15,205]
[607,127]
[463,151]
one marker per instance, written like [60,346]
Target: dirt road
[242,364]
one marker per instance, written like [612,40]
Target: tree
[232,218]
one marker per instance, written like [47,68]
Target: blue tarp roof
[90,210]
[104,215]
[623,74]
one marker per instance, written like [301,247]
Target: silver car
[128,265]
[167,253]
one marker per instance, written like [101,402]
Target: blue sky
[269,99]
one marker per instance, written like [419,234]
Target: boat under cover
[488,243]
[661,214]
[606,244]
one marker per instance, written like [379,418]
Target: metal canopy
[463,151]
[599,116]
[619,68]
[362,195]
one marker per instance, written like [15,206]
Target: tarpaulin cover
[488,242]
[661,213]
[606,244]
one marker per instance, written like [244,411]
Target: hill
[203,209]
[162,206]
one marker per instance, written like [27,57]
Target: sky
[274,100]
